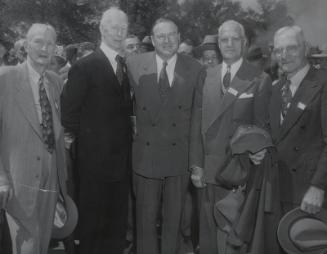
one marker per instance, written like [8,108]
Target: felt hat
[302,233]
[210,42]
[66,217]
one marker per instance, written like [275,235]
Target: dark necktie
[227,78]
[163,82]
[120,71]
[47,121]
[286,96]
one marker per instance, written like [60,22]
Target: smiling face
[40,46]
[290,51]
[231,42]
[165,39]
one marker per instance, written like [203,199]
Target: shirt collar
[109,53]
[234,67]
[299,76]
[170,61]
[33,74]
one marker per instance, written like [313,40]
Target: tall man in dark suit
[234,93]
[165,84]
[96,108]
[298,119]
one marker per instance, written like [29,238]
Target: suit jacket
[301,139]
[244,103]
[21,143]
[161,146]
[97,110]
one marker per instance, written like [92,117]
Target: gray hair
[234,24]
[106,16]
[296,30]
[37,27]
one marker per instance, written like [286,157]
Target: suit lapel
[275,109]
[305,93]
[25,100]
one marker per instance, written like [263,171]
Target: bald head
[113,28]
[234,25]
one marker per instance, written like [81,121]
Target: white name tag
[301,106]
[245,95]
[232,91]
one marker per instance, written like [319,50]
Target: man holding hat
[298,120]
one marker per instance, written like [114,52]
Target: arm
[196,144]
[72,98]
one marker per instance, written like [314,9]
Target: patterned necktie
[120,69]
[227,78]
[47,121]
[286,96]
[163,82]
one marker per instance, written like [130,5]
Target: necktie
[163,82]
[286,96]
[120,69]
[227,78]
[47,121]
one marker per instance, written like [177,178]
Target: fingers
[310,208]
[197,181]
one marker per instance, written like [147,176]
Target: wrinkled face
[114,30]
[209,58]
[185,49]
[40,47]
[131,46]
[231,43]
[165,39]
[290,52]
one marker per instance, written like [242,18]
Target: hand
[69,139]
[257,158]
[197,177]
[5,195]
[313,200]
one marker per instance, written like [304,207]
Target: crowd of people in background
[170,148]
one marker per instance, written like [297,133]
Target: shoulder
[191,62]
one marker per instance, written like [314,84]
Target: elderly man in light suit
[234,93]
[32,165]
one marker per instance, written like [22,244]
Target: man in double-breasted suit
[298,119]
[164,84]
[234,93]
[96,105]
[32,165]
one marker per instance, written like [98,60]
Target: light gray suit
[24,161]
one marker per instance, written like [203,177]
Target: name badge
[232,91]
[301,105]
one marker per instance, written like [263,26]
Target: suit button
[296,148]
[153,125]
[302,127]
[294,169]
[37,176]
[173,144]
[147,143]
[179,107]
[38,158]
[144,108]
[174,125]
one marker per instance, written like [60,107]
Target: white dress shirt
[170,68]
[297,78]
[110,54]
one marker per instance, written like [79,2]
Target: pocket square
[245,95]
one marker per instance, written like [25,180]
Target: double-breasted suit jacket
[161,146]
[301,139]
[245,102]
[21,143]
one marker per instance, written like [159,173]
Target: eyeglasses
[170,36]
[288,50]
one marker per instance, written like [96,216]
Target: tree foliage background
[78,20]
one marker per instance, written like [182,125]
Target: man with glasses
[234,93]
[298,120]
[164,84]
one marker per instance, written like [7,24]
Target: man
[131,45]
[164,83]
[234,93]
[298,112]
[186,47]
[208,51]
[20,51]
[32,165]
[96,109]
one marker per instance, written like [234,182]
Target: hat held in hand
[302,233]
